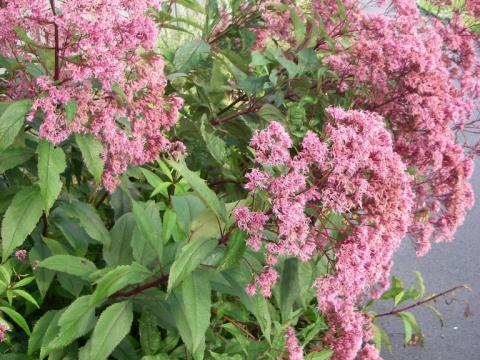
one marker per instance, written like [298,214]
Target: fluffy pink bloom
[106,66]
[21,255]
[3,329]
[295,351]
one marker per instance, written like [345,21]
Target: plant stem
[137,290]
[56,75]
[431,298]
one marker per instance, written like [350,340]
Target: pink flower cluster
[100,55]
[3,329]
[422,76]
[295,351]
[355,172]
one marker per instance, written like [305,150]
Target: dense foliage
[226,179]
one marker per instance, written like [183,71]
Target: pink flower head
[295,351]
[3,329]
[21,255]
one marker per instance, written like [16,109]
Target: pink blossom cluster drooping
[99,55]
[353,171]
[422,76]
[295,351]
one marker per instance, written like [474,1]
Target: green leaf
[381,337]
[322,355]
[68,264]
[192,311]
[118,251]
[11,121]
[112,326]
[289,289]
[51,163]
[215,145]
[190,55]
[235,249]
[191,4]
[187,207]
[421,285]
[43,277]
[201,188]
[88,218]
[117,279]
[39,330]
[26,296]
[76,321]
[16,317]
[410,326]
[70,111]
[149,223]
[150,337]
[189,258]
[26,205]
[271,113]
[13,157]
[92,151]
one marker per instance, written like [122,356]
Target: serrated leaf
[76,321]
[68,264]
[92,151]
[200,187]
[191,310]
[215,145]
[118,250]
[190,55]
[149,223]
[150,337]
[26,205]
[187,260]
[289,289]
[16,318]
[271,113]
[11,121]
[117,279]
[88,218]
[112,326]
[235,249]
[39,330]
[13,157]
[187,207]
[51,163]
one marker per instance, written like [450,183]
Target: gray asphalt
[445,266]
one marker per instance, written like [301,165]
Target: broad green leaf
[16,318]
[236,247]
[27,206]
[187,207]
[421,286]
[271,113]
[76,321]
[92,154]
[190,55]
[13,157]
[215,145]
[150,337]
[50,334]
[11,121]
[23,282]
[118,251]
[149,223]
[201,188]
[289,289]
[88,217]
[191,255]
[68,264]
[191,310]
[410,326]
[43,277]
[51,163]
[70,111]
[112,326]
[39,330]
[117,279]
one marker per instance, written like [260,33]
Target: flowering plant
[226,179]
